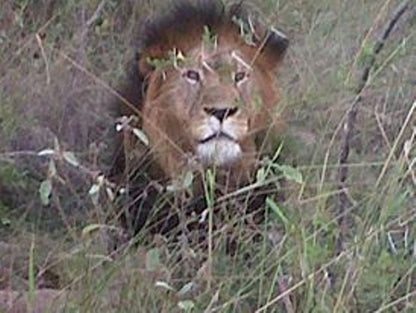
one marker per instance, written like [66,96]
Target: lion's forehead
[220,59]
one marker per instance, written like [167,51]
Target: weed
[288,263]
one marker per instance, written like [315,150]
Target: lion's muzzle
[218,136]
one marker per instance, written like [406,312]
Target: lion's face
[211,109]
[213,99]
[207,106]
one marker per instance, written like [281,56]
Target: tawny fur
[177,110]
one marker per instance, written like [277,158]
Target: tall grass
[59,72]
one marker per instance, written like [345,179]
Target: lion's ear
[272,43]
[275,45]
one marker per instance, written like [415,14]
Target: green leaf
[94,193]
[209,39]
[159,64]
[276,209]
[172,187]
[141,135]
[210,182]
[291,173]
[52,168]
[56,145]
[4,221]
[186,305]
[46,152]
[187,288]
[261,175]
[189,178]
[367,54]
[110,193]
[164,285]
[45,191]
[90,229]
[31,273]
[153,260]
[70,158]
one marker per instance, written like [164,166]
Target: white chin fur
[219,152]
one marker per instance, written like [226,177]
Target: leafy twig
[351,118]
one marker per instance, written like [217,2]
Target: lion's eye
[192,76]
[239,76]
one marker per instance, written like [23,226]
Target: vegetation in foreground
[60,61]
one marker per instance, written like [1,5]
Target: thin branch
[83,32]
[283,289]
[94,17]
[45,59]
[351,118]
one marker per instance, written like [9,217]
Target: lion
[206,90]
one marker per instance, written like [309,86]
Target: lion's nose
[221,114]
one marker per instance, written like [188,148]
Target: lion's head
[210,73]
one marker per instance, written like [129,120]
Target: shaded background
[61,61]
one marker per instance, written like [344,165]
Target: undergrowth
[59,68]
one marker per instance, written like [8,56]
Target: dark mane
[177,18]
[186,16]
[179,27]
[182,22]
[182,16]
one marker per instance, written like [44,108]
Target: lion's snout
[219,135]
